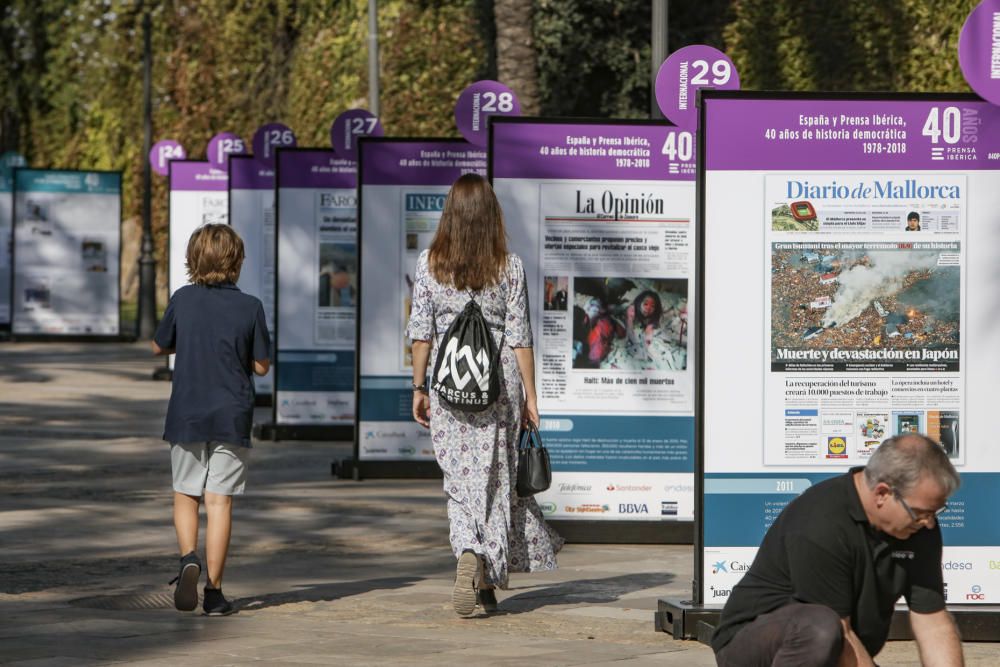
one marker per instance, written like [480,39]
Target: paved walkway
[324,571]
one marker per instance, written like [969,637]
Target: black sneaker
[215,603]
[488,600]
[186,591]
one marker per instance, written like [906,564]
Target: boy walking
[220,337]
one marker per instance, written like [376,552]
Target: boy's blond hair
[214,255]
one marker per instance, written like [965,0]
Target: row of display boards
[833,256]
[60,249]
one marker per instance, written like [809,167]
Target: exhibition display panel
[848,262]
[315,295]
[602,213]
[198,196]
[6,240]
[251,214]
[403,184]
[66,253]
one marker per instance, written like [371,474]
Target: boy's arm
[261,343]
[159,351]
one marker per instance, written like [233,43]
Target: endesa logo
[975,593]
[719,592]
[956,565]
[633,508]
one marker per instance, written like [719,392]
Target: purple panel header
[419,162]
[315,169]
[943,135]
[197,176]
[641,152]
[248,174]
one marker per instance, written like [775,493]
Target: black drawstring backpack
[467,372]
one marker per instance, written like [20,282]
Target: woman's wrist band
[420,387]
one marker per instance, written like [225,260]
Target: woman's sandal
[468,574]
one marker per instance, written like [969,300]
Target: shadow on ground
[585,591]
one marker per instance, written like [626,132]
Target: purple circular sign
[268,139]
[162,153]
[480,101]
[221,146]
[351,126]
[683,73]
[979,50]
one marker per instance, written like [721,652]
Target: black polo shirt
[218,332]
[822,550]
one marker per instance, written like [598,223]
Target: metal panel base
[685,620]
[624,532]
[348,468]
[333,433]
[976,623]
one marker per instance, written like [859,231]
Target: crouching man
[822,588]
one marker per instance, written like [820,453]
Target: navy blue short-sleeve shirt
[218,332]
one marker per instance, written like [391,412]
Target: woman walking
[493,531]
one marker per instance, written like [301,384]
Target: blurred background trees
[71,77]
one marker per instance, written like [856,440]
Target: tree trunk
[517,61]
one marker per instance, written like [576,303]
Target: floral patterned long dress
[477,451]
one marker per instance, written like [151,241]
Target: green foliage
[593,57]
[73,76]
[847,45]
[71,85]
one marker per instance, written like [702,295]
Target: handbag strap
[530,437]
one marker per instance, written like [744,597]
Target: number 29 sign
[683,73]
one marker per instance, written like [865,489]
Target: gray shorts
[216,467]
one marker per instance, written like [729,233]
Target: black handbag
[534,474]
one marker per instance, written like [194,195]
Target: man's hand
[937,639]
[854,653]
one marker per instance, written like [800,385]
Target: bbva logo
[478,367]
[632,508]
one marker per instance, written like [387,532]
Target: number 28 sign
[480,101]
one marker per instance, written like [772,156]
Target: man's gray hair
[902,460]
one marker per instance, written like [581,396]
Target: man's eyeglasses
[919,515]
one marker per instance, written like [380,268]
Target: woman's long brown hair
[469,249]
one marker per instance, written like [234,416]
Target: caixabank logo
[730,567]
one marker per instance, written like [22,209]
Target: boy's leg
[188,461]
[219,509]
[189,464]
[227,470]
[186,521]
